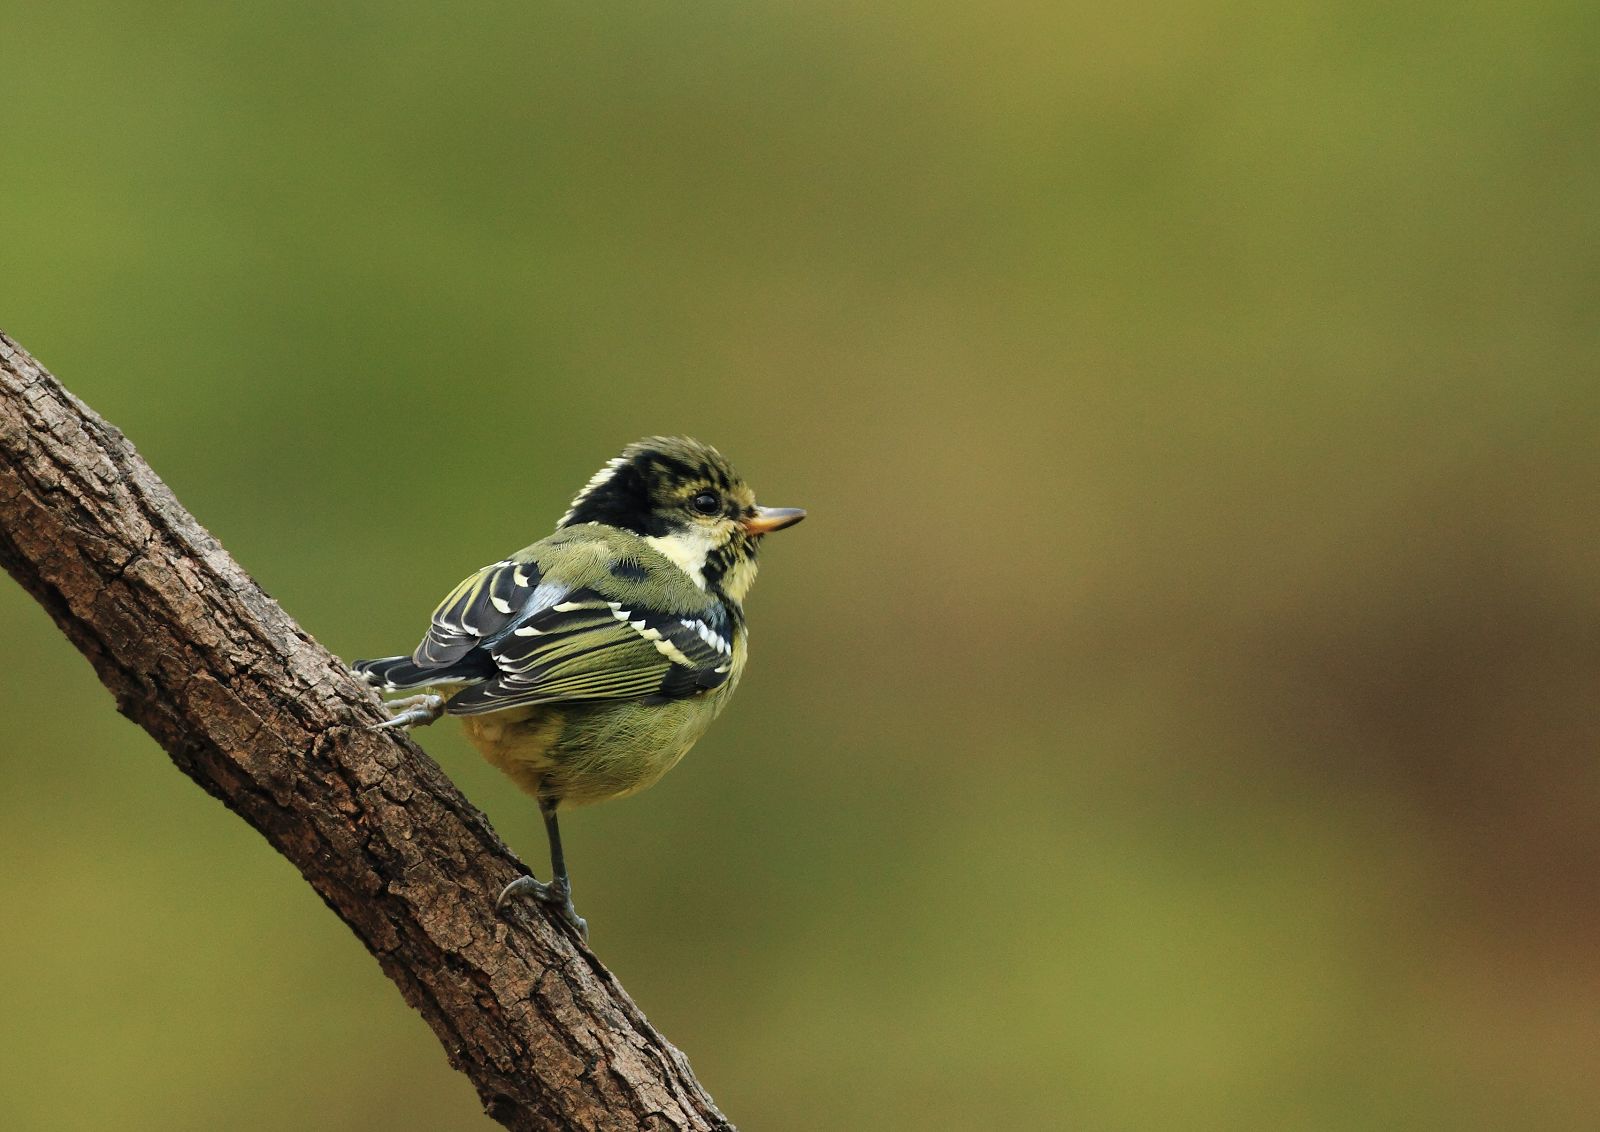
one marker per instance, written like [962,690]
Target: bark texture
[264,718]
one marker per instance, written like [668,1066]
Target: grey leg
[557,895]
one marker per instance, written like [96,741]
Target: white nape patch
[595,481]
[500,603]
[688,551]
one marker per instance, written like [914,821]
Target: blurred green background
[1179,710]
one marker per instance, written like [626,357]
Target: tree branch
[264,718]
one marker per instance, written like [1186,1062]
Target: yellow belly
[584,753]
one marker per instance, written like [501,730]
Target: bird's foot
[412,711]
[556,896]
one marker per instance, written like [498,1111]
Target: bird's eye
[706,503]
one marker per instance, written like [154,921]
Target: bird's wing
[585,615]
[485,605]
[586,646]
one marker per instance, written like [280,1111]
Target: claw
[555,897]
[413,711]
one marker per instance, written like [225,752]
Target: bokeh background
[1179,709]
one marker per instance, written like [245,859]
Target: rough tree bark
[264,718]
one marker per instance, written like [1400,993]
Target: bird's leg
[557,894]
[412,711]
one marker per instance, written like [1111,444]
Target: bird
[586,665]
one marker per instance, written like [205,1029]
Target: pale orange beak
[769,519]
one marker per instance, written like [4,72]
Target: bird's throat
[688,550]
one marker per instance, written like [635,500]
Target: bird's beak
[769,519]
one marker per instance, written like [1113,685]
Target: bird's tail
[393,673]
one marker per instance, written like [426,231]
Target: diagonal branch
[264,718]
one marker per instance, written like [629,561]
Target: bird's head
[684,499]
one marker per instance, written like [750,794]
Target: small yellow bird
[586,665]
